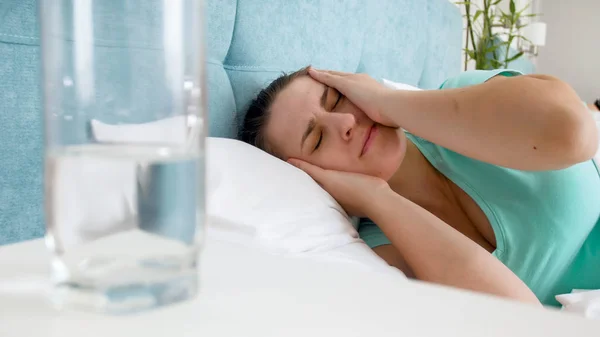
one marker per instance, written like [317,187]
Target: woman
[490,188]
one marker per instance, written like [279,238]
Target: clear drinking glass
[124,110]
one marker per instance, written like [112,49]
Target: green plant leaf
[496,2]
[508,20]
[512,6]
[496,64]
[518,36]
[477,14]
[524,9]
[514,57]
[471,54]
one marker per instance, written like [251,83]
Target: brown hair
[259,111]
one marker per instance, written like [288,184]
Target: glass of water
[124,108]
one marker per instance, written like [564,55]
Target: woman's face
[314,123]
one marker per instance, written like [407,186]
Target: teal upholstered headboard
[250,42]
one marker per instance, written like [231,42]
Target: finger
[333,72]
[338,82]
[315,172]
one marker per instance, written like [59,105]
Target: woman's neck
[417,180]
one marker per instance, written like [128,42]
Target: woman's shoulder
[473,77]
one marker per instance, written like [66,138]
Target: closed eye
[340,96]
[319,141]
[337,102]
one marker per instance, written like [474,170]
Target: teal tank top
[546,223]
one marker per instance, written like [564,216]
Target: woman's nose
[345,124]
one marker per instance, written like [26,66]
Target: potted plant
[491,32]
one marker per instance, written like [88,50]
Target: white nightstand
[249,293]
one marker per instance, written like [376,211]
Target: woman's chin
[390,160]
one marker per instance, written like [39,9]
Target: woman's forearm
[529,122]
[438,253]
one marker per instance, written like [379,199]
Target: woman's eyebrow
[312,123]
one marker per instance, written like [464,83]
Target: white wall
[572,50]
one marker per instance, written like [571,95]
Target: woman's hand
[356,193]
[361,89]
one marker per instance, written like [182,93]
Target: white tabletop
[249,293]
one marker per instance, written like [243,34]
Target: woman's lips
[369,139]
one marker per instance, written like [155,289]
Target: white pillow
[153,132]
[283,206]
[252,194]
[399,86]
[171,130]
